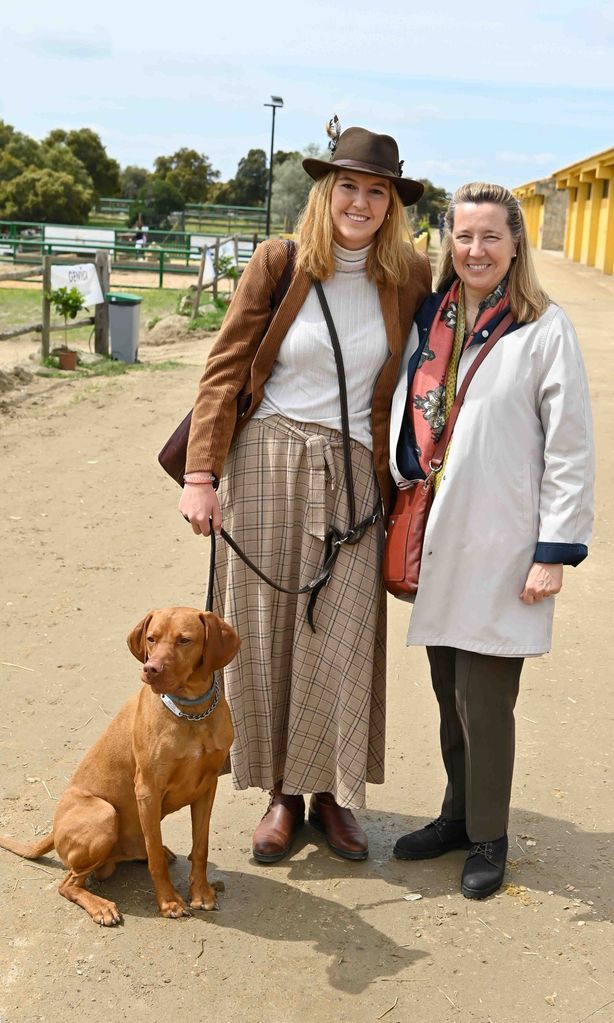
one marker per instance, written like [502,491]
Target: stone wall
[555,214]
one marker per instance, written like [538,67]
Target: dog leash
[171,702]
[209,601]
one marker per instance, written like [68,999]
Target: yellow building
[589,234]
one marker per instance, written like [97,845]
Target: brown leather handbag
[405,538]
[172,457]
[407,523]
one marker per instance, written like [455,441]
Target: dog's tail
[29,852]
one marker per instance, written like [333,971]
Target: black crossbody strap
[343,399]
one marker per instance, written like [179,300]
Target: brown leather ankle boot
[274,835]
[343,832]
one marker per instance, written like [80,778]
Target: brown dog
[151,761]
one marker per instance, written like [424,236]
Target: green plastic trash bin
[124,319]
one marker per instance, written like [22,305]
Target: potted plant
[67,302]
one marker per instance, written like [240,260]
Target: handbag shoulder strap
[343,399]
[446,434]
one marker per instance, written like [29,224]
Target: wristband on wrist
[204,480]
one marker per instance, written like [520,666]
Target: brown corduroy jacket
[245,350]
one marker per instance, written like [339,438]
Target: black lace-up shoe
[484,868]
[435,839]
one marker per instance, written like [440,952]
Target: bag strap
[343,400]
[446,434]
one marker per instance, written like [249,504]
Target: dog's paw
[108,915]
[173,909]
[204,899]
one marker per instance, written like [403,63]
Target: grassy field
[20,306]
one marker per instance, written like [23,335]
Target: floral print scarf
[426,402]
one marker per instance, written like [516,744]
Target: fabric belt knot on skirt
[320,458]
[321,462]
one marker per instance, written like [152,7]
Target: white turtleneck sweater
[303,384]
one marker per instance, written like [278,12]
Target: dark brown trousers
[476,695]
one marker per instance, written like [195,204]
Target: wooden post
[45,335]
[101,329]
[216,256]
[199,283]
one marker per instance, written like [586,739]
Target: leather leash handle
[446,435]
[209,601]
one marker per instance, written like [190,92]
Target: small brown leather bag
[407,523]
[405,538]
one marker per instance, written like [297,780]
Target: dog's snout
[153,668]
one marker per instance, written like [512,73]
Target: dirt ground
[91,539]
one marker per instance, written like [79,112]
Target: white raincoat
[519,472]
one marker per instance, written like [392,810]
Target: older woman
[308,707]
[513,505]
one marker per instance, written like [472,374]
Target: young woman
[308,706]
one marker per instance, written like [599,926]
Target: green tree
[187,171]
[10,166]
[67,302]
[281,155]
[432,202]
[291,185]
[249,185]
[88,148]
[59,157]
[41,182]
[6,133]
[132,180]
[24,149]
[155,204]
[44,195]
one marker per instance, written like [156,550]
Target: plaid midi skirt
[306,707]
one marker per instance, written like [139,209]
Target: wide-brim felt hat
[367,153]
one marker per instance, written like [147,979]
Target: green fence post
[161,270]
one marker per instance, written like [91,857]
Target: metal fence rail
[180,254]
[215,217]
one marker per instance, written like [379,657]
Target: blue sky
[506,93]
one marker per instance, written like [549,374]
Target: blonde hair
[528,300]
[387,262]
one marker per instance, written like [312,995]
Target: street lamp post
[276,101]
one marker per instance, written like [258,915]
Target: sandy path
[91,539]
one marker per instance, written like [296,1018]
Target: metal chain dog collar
[215,690]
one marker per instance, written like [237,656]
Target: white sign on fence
[77,239]
[82,276]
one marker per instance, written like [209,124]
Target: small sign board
[82,276]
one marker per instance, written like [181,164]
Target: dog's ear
[136,638]
[221,642]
